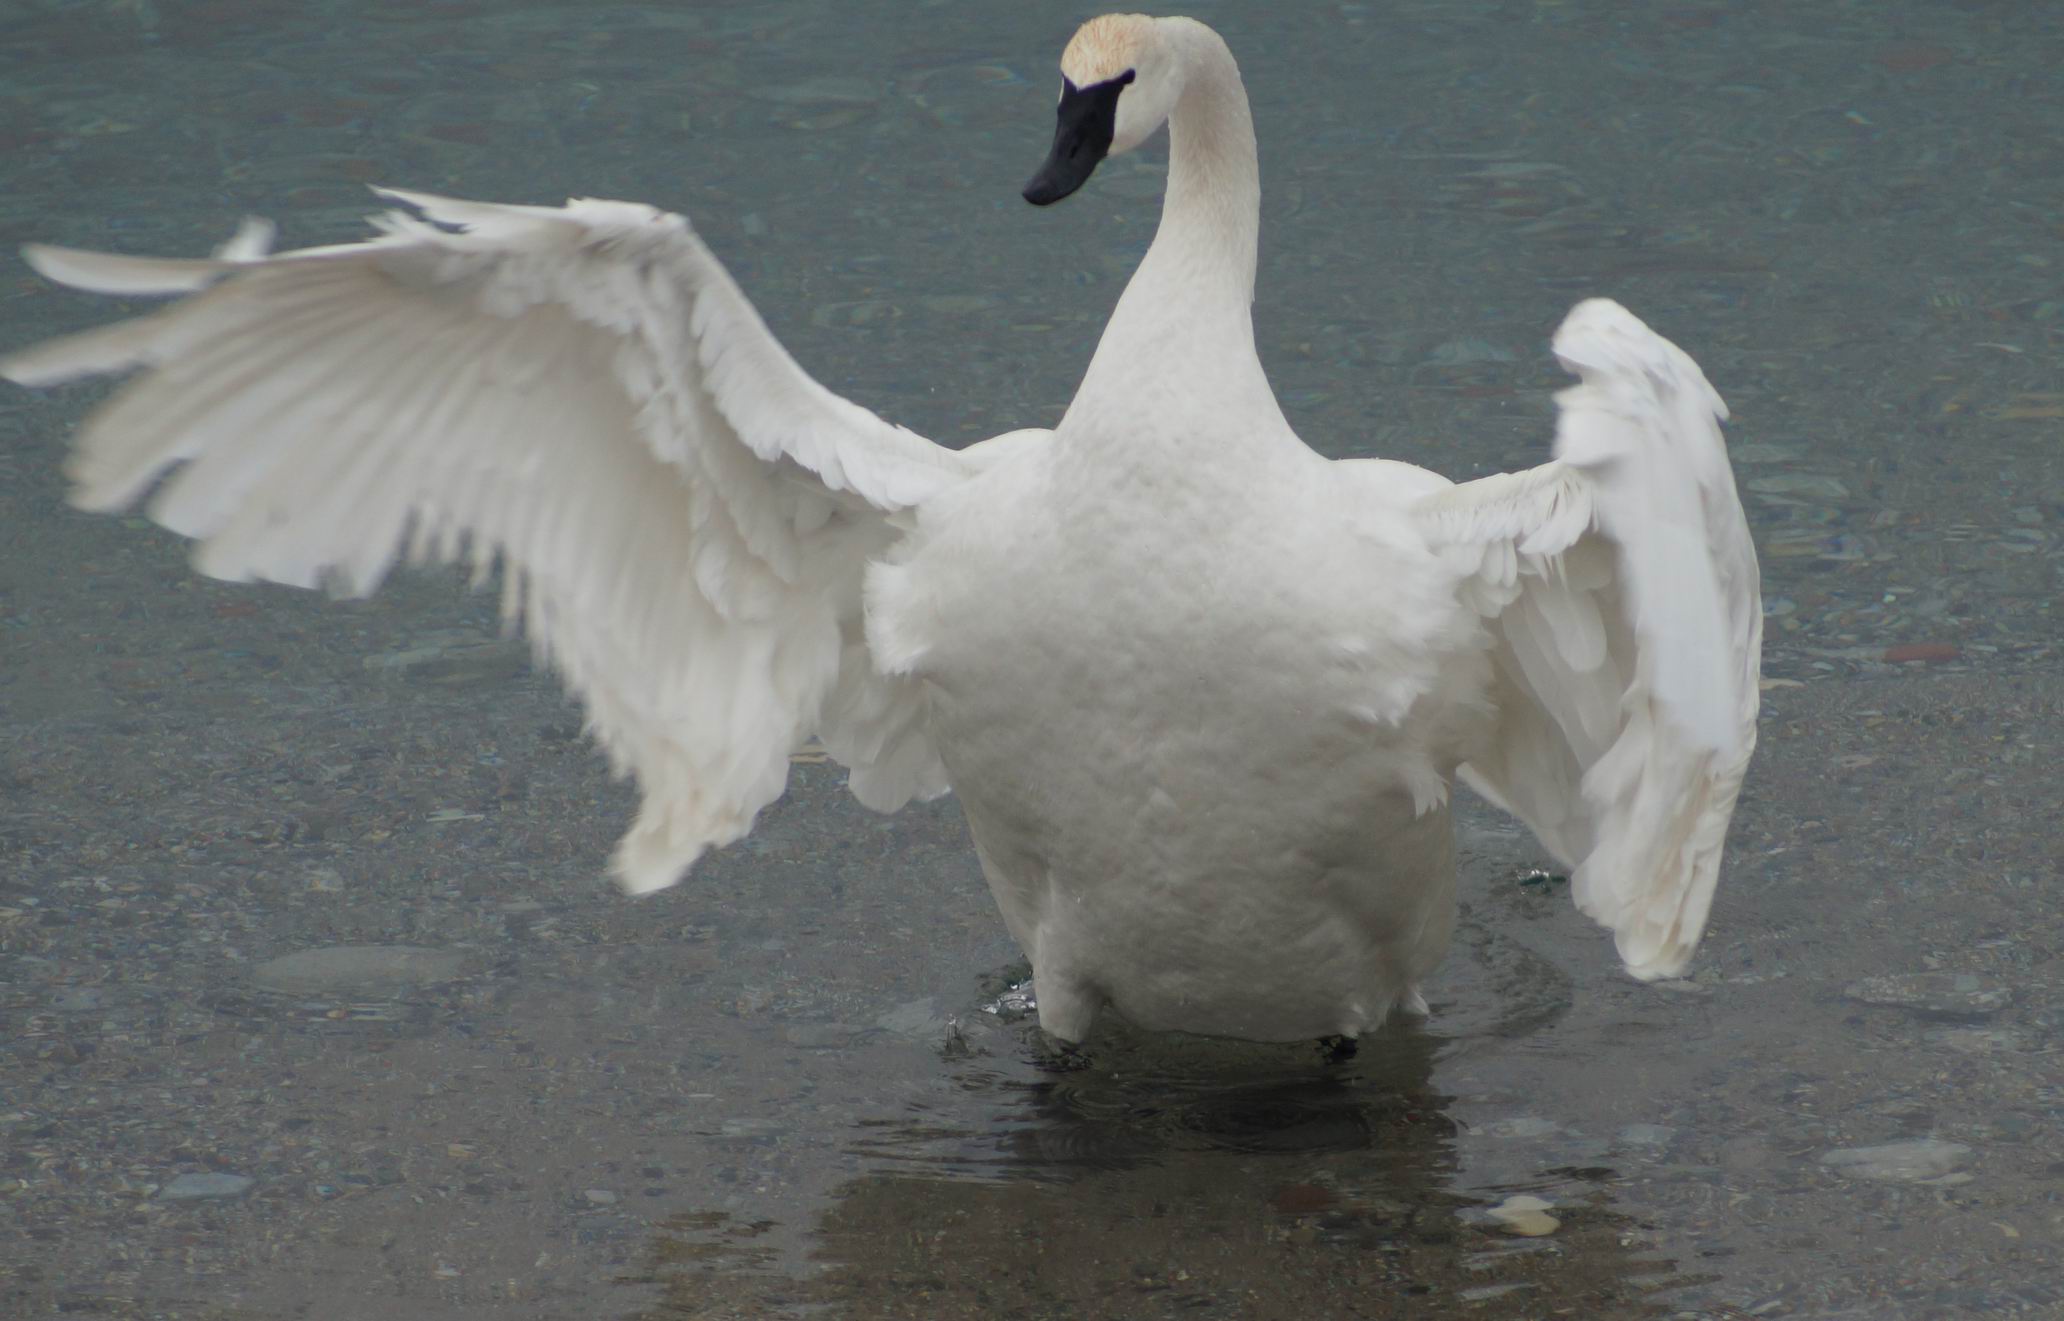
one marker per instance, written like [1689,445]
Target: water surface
[745,1097]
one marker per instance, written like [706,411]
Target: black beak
[1088,117]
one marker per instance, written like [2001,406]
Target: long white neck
[1182,338]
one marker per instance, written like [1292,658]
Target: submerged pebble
[1918,1160]
[188,1187]
[1951,994]
[829,90]
[1931,652]
[357,968]
[81,999]
[1803,484]
[1525,1214]
[1646,1135]
[454,658]
[1978,1040]
[917,1019]
[1468,351]
[820,1036]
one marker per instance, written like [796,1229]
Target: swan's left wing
[1619,587]
[682,514]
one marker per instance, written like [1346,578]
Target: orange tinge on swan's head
[1104,48]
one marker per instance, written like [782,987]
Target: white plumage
[1201,691]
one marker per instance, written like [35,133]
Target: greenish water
[742,1098]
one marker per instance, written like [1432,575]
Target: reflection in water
[1160,1178]
[1131,1100]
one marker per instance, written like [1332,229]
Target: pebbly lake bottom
[355,1026]
[314,1002]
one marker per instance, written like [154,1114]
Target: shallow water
[774,1089]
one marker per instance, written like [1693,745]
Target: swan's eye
[1093,110]
[1068,87]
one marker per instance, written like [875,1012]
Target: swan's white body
[1201,691]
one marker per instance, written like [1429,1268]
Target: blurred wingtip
[251,242]
[109,273]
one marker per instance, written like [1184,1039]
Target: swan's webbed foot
[1017,1001]
[1058,1056]
[1338,1049]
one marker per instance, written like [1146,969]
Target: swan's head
[1119,82]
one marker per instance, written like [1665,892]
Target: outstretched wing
[1619,586]
[682,514]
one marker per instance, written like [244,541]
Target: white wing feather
[1620,587]
[683,515]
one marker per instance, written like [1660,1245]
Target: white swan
[1200,690]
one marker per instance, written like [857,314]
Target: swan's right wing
[683,514]
[1619,588]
